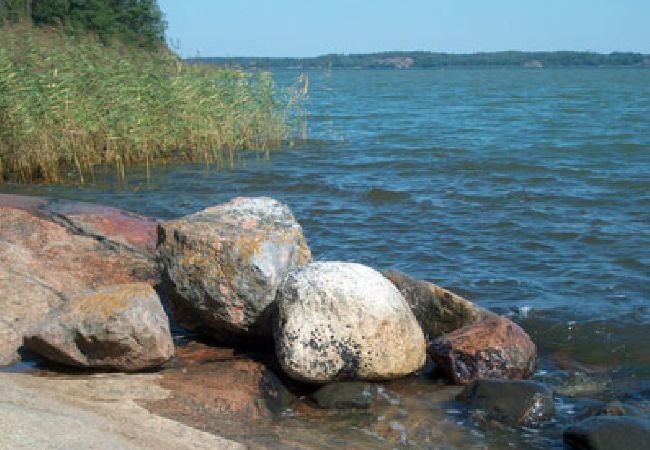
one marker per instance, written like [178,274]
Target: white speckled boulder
[121,327]
[341,321]
[222,266]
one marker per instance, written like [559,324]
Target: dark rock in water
[438,310]
[492,348]
[343,321]
[222,266]
[119,328]
[47,256]
[614,408]
[345,395]
[609,433]
[517,403]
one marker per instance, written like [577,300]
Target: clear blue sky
[315,27]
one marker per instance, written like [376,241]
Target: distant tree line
[134,21]
[429,59]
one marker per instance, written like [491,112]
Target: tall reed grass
[69,104]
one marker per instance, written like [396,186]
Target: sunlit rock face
[222,266]
[341,321]
[119,328]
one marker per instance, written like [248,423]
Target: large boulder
[492,348]
[222,266]
[517,403]
[340,321]
[609,433]
[119,328]
[48,253]
[438,310]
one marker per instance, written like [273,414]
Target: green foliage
[132,21]
[429,59]
[69,104]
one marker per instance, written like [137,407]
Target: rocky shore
[174,334]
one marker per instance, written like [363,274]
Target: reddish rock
[46,256]
[493,348]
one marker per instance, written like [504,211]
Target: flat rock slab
[100,413]
[45,258]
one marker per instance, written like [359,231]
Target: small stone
[516,403]
[344,321]
[437,310]
[609,433]
[222,266]
[345,395]
[118,328]
[492,348]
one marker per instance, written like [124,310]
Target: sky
[316,27]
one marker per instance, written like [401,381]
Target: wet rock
[222,266]
[609,433]
[345,395]
[615,408]
[44,259]
[438,310]
[517,403]
[492,348]
[119,328]
[344,321]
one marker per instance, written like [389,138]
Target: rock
[608,433]
[492,348]
[10,341]
[119,328]
[517,403]
[591,408]
[344,321]
[99,412]
[45,258]
[438,310]
[222,266]
[345,395]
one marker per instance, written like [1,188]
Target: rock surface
[46,256]
[222,266]
[492,348]
[99,412]
[344,321]
[438,310]
[609,433]
[345,395]
[518,403]
[10,341]
[120,327]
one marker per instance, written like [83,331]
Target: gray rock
[345,395]
[343,321]
[609,433]
[119,328]
[222,266]
[10,341]
[438,310]
[517,403]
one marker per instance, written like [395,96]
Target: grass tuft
[69,104]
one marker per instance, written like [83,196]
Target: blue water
[527,191]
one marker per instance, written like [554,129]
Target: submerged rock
[47,256]
[344,321]
[438,310]
[120,328]
[517,403]
[492,348]
[609,433]
[345,395]
[222,266]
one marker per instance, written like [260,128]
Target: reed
[69,104]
